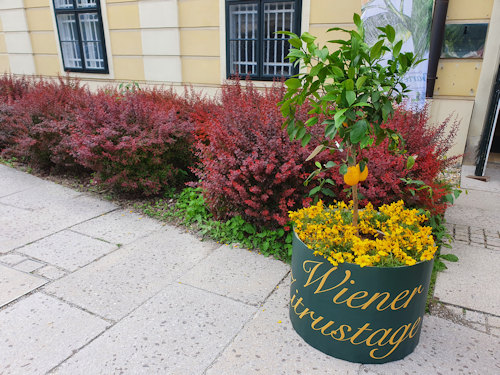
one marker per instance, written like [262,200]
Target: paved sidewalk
[89,288]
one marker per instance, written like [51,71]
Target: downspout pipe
[436,44]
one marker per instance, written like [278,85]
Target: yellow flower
[327,230]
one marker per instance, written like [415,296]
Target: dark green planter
[362,315]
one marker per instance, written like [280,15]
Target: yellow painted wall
[200,41]
[47,65]
[123,16]
[43,35]
[334,11]
[39,19]
[469,9]
[4,64]
[201,70]
[44,43]
[196,42]
[126,43]
[206,14]
[457,77]
[3,46]
[128,68]
[36,3]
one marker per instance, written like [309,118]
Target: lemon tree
[352,90]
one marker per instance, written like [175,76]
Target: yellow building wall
[4,58]
[469,9]
[44,42]
[200,41]
[125,39]
[325,14]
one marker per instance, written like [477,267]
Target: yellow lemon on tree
[352,176]
[363,175]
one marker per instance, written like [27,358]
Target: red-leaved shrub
[248,166]
[384,185]
[135,142]
[43,120]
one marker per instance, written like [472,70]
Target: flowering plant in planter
[359,277]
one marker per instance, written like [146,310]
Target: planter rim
[357,265]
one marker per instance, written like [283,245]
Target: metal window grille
[81,36]
[253,47]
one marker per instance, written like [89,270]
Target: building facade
[202,42]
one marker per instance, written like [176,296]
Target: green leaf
[314,191]
[440,266]
[362,104]
[308,38]
[337,72]
[343,169]
[339,117]
[293,83]
[312,121]
[376,50]
[330,164]
[295,42]
[349,84]
[410,162]
[249,228]
[315,69]
[449,257]
[358,131]
[386,110]
[306,139]
[397,48]
[350,97]
[351,72]
[357,20]
[323,53]
[391,34]
[360,81]
[328,192]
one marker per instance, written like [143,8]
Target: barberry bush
[42,121]
[247,165]
[135,142]
[389,179]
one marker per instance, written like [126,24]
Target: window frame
[76,11]
[260,37]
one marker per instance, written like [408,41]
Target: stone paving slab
[473,281]
[19,227]
[268,344]
[476,208]
[50,272]
[67,249]
[14,181]
[43,195]
[446,348]
[29,265]
[119,282]
[15,284]
[179,331]
[237,273]
[12,259]
[118,227]
[39,332]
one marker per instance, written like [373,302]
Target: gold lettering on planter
[362,335]
[383,298]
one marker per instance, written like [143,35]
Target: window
[79,24]
[252,47]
